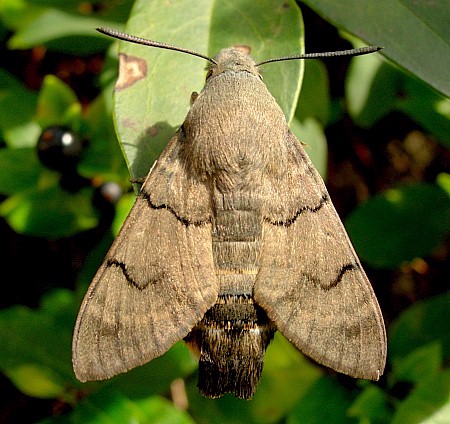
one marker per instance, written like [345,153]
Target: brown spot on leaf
[131,70]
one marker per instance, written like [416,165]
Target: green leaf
[310,131]
[375,88]
[423,362]
[57,102]
[371,406]
[36,380]
[102,157]
[107,407]
[50,212]
[429,403]
[400,224]
[225,410]
[36,351]
[18,105]
[269,35]
[286,377]
[21,170]
[62,31]
[123,208]
[312,114]
[160,411]
[422,323]
[326,402]
[416,35]
[314,98]
[155,377]
[150,110]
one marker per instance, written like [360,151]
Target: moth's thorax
[235,125]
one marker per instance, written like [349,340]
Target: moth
[233,236]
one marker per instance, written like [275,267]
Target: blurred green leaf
[326,402]
[36,351]
[314,98]
[170,77]
[18,105]
[312,114]
[371,406]
[286,377]
[155,376]
[62,31]
[422,363]
[123,208]
[375,88]
[310,131]
[16,14]
[429,403]
[21,170]
[102,156]
[50,211]
[424,322]
[37,380]
[225,410]
[443,181]
[415,35]
[108,407]
[56,103]
[400,224]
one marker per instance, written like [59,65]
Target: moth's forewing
[311,283]
[157,280]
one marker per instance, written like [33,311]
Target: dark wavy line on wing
[183,220]
[288,222]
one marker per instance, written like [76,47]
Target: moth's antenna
[351,52]
[138,40]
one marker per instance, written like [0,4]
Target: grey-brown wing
[311,283]
[156,281]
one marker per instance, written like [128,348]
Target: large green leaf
[371,406]
[35,351]
[326,402]
[20,170]
[61,31]
[423,323]
[109,407]
[375,88]
[50,211]
[400,224]
[416,35]
[429,403]
[17,105]
[149,110]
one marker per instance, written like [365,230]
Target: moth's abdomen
[232,337]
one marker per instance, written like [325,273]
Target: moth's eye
[208,75]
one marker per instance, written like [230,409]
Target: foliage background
[378,130]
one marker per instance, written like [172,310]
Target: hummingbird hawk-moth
[233,236]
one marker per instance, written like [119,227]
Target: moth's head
[232,60]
